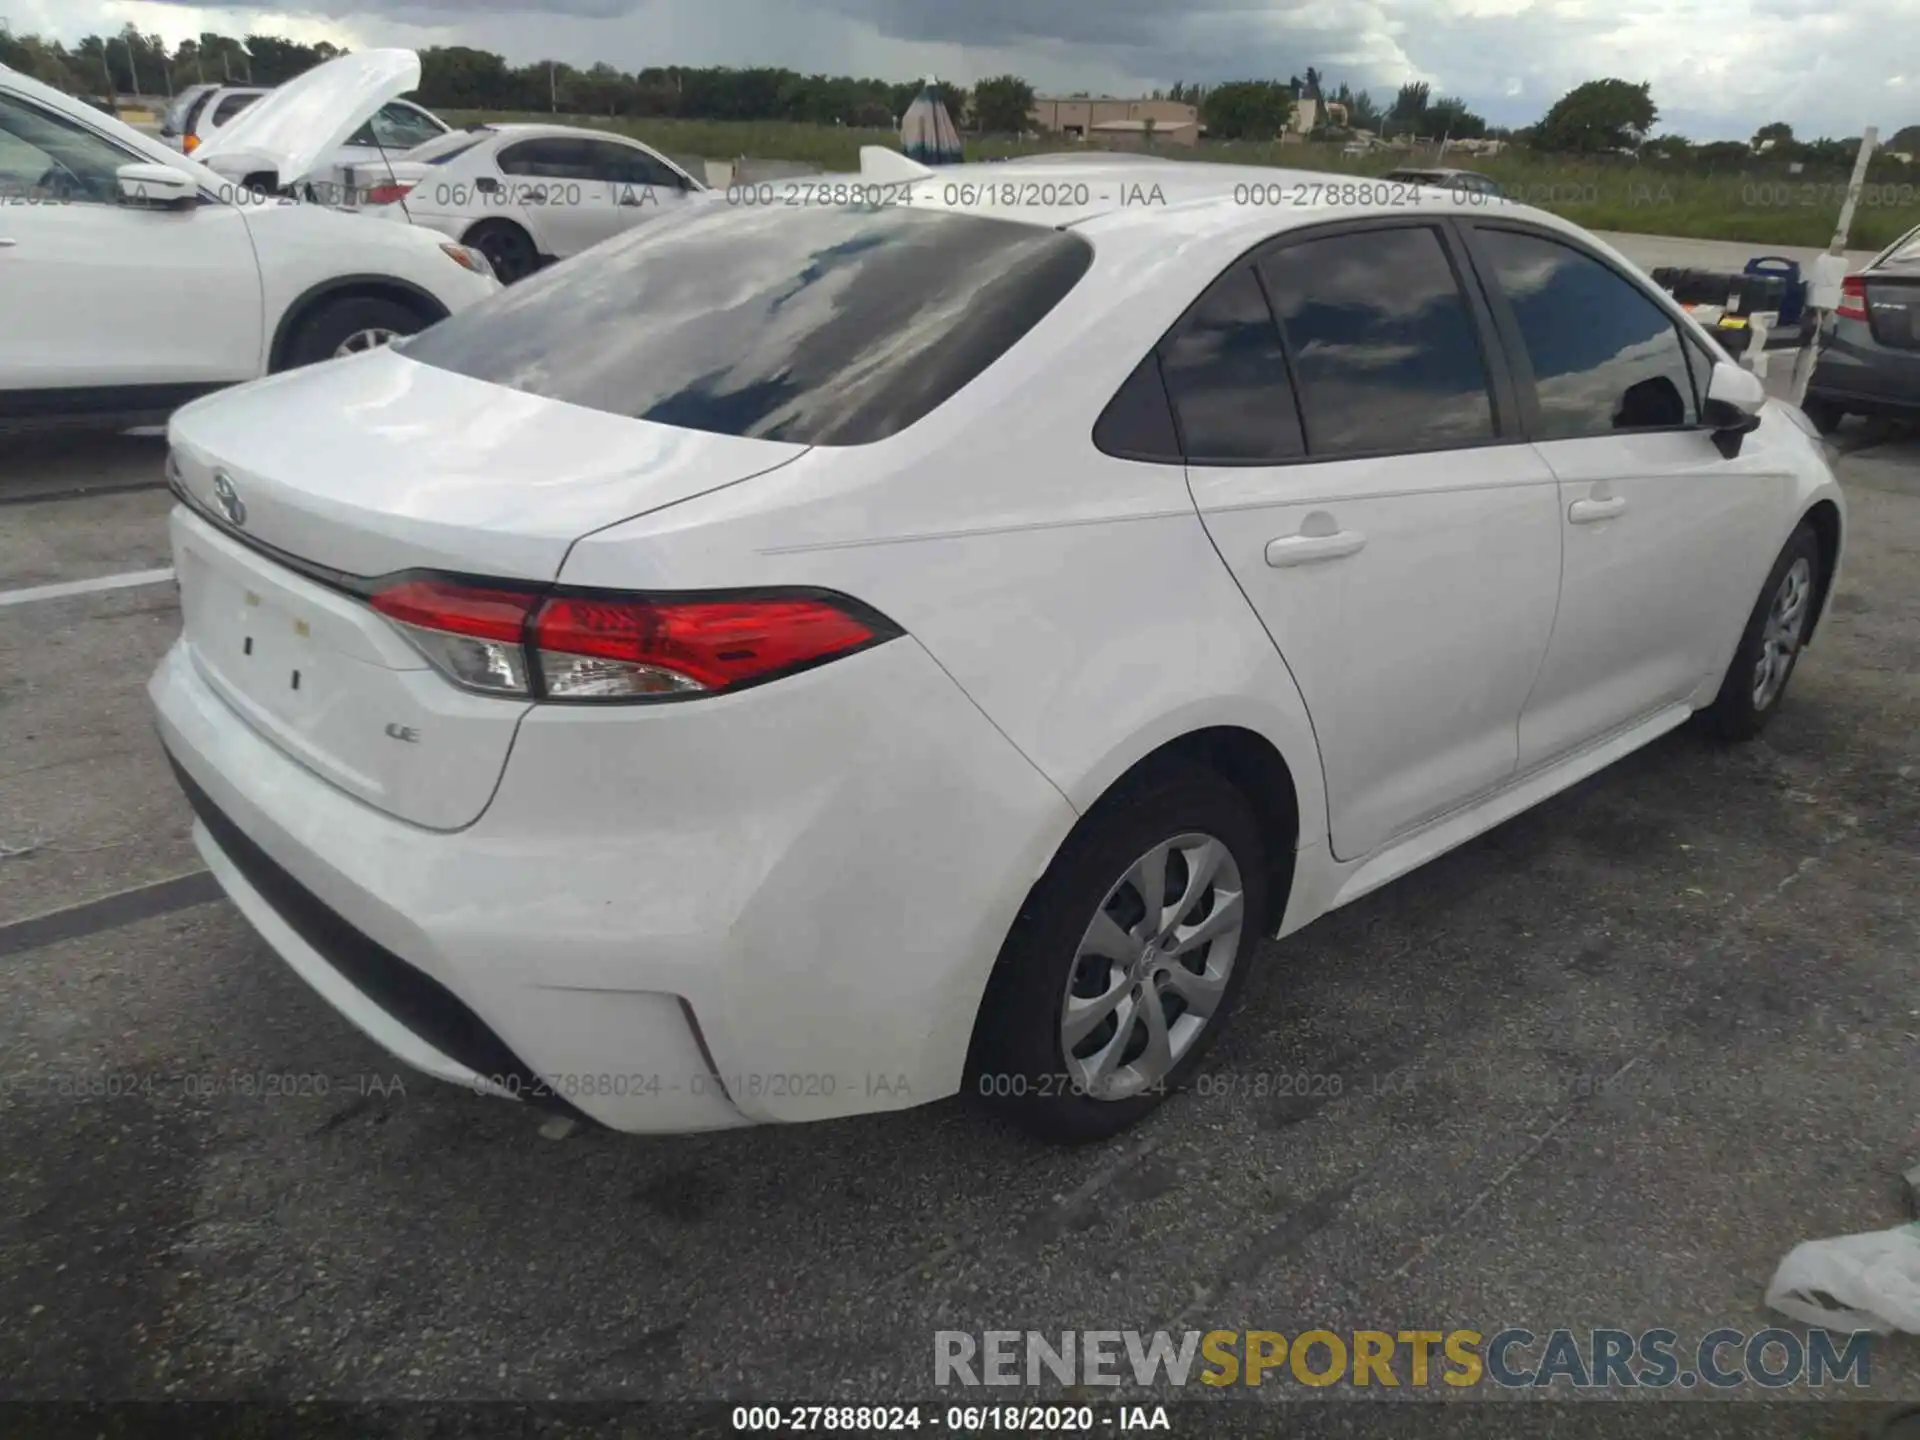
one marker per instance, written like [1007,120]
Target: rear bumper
[1866,377]
[776,906]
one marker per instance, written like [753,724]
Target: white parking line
[84,587]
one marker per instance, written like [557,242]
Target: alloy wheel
[1780,638]
[1152,968]
[371,338]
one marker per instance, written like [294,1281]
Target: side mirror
[157,187]
[1735,396]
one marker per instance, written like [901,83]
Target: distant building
[1118,121]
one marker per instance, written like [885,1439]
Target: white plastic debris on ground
[1853,1282]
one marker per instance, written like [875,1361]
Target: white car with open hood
[296,136]
[784,663]
[136,278]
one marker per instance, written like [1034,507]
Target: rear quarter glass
[765,324]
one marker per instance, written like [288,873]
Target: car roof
[1128,194]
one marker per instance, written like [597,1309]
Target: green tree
[1667,147]
[1247,110]
[1362,113]
[1598,116]
[1004,104]
[1410,105]
[1722,154]
[1907,138]
[1779,132]
[1450,116]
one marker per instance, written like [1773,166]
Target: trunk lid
[1893,308]
[302,487]
[375,464]
[366,176]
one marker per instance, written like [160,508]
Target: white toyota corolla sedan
[799,661]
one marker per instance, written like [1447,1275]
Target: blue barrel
[1794,290]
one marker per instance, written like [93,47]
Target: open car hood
[311,116]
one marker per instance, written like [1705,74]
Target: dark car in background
[1465,180]
[1870,344]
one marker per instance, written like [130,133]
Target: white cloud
[1716,66]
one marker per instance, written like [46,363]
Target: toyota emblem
[228,498]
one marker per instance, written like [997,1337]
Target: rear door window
[1384,346]
[1605,356]
[826,326]
[1227,374]
[552,159]
[230,106]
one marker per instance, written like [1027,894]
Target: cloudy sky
[1720,68]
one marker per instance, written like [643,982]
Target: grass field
[1648,199]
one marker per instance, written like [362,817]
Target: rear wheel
[1770,646]
[348,326]
[508,248]
[1825,414]
[1122,967]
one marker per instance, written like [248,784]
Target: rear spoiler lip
[877,162]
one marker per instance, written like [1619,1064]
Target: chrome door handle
[1310,549]
[1586,512]
[6,244]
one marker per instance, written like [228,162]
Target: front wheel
[508,248]
[1770,646]
[1122,967]
[349,326]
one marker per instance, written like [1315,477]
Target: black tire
[1019,1065]
[1825,414]
[1735,713]
[509,249]
[322,333]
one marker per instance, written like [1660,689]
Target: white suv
[137,278]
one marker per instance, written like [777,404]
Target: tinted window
[196,110]
[1138,422]
[826,326]
[624,165]
[1604,356]
[1228,377]
[44,156]
[230,107]
[1383,344]
[396,126]
[549,159]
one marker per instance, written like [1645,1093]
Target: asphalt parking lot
[1603,1067]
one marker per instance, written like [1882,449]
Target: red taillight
[1853,299]
[588,646]
[473,635]
[602,647]
[385,194]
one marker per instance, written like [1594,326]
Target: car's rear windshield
[1904,251]
[433,156]
[824,326]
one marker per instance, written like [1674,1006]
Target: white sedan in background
[776,666]
[134,278]
[526,195]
